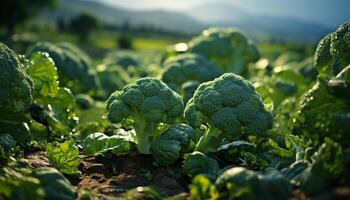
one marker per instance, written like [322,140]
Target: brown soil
[109,177]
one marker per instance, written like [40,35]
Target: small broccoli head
[16,86]
[228,49]
[231,109]
[333,51]
[185,68]
[148,103]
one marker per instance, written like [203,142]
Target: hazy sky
[327,12]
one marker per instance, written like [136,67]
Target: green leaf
[99,143]
[43,72]
[198,163]
[64,156]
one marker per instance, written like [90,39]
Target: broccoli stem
[144,131]
[210,141]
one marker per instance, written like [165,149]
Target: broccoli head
[188,67]
[228,49]
[73,65]
[145,104]
[230,108]
[333,51]
[112,79]
[16,91]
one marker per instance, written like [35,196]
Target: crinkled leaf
[43,72]
[64,156]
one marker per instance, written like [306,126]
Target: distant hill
[197,18]
[168,20]
[260,27]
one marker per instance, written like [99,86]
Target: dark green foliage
[174,142]
[72,64]
[324,110]
[198,163]
[240,183]
[228,49]
[333,51]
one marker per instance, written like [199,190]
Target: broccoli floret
[173,143]
[228,49]
[333,51]
[148,103]
[230,108]
[16,91]
[188,67]
[73,65]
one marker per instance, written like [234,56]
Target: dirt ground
[107,178]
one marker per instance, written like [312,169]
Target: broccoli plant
[173,143]
[16,95]
[230,109]
[333,51]
[16,91]
[72,64]
[145,105]
[324,110]
[228,49]
[185,72]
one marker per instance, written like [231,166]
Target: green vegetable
[112,79]
[326,169]
[324,110]
[332,53]
[173,143]
[228,49]
[240,183]
[64,156]
[55,185]
[19,181]
[73,65]
[230,108]
[16,86]
[198,163]
[145,105]
[184,68]
[43,72]
[99,143]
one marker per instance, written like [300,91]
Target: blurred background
[98,26]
